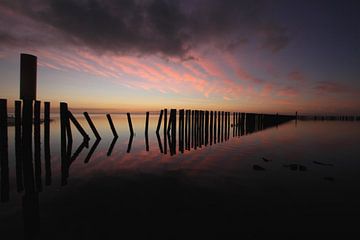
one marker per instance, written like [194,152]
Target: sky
[144,55]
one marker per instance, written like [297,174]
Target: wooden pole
[112,125]
[130,124]
[159,122]
[18,148]
[4,152]
[147,123]
[47,154]
[92,126]
[165,130]
[37,148]
[27,118]
[78,126]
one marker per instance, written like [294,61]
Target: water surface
[299,179]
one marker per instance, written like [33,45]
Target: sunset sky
[253,56]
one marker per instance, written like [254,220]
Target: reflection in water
[179,185]
[112,146]
[130,143]
[92,150]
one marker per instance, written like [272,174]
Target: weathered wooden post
[234,124]
[4,152]
[215,127]
[130,124]
[37,146]
[92,126]
[228,131]
[165,130]
[225,129]
[47,154]
[181,130]
[27,118]
[159,122]
[78,126]
[192,128]
[222,126]
[18,150]
[147,131]
[206,128]
[63,117]
[28,69]
[211,126]
[173,130]
[159,142]
[219,126]
[196,131]
[108,116]
[147,123]
[186,129]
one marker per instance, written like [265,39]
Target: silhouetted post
[165,130]
[147,123]
[241,123]
[112,125]
[37,140]
[228,125]
[186,128]
[130,124]
[219,126]
[159,122]
[63,120]
[214,127]
[222,126]
[202,118]
[226,122]
[192,128]
[196,136]
[173,130]
[189,129]
[27,117]
[78,126]
[206,128]
[211,126]
[47,143]
[92,126]
[147,131]
[159,142]
[234,124]
[181,130]
[28,68]
[18,150]
[4,154]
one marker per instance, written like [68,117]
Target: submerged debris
[266,160]
[258,168]
[323,164]
[295,167]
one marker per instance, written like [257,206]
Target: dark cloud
[166,27]
[296,76]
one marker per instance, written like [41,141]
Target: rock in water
[258,168]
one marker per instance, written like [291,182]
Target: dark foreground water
[295,181]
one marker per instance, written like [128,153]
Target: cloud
[141,27]
[330,87]
[296,76]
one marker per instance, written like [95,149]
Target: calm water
[308,186]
